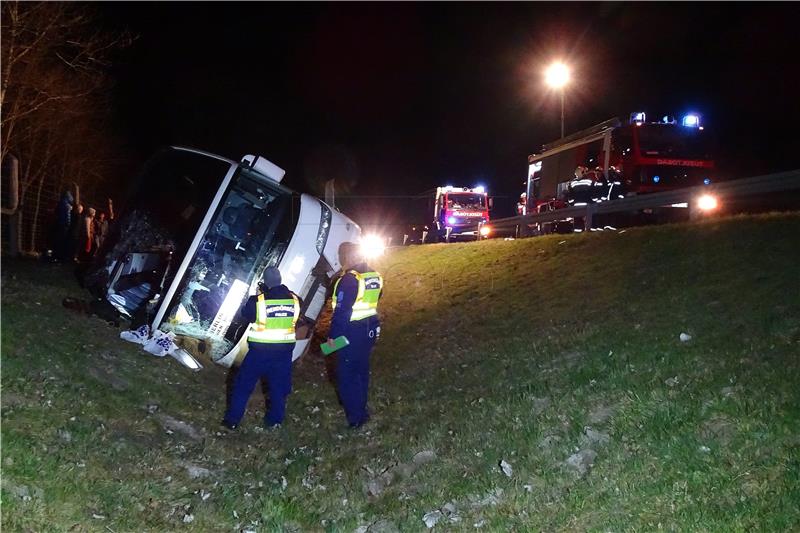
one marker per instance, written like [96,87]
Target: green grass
[487,349]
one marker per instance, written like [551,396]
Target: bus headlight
[707,202]
[372,246]
[485,231]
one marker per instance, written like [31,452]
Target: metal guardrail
[782,181]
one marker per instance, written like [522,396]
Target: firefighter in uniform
[273,314]
[355,315]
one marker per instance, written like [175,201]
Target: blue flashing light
[638,117]
[656,179]
[706,181]
[691,121]
[451,220]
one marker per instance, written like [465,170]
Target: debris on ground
[506,468]
[685,337]
[582,461]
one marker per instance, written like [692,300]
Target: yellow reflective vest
[275,320]
[370,285]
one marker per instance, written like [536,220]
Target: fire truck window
[537,187]
[622,142]
[594,155]
[465,201]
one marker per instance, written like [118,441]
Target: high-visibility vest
[275,320]
[370,285]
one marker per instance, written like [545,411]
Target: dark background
[393,99]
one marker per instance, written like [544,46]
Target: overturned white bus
[194,239]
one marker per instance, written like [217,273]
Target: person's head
[91,212]
[350,254]
[102,215]
[79,209]
[271,277]
[229,215]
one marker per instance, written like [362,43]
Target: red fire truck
[459,213]
[615,159]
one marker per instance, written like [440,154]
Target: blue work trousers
[352,370]
[272,363]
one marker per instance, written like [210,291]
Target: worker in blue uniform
[272,314]
[355,315]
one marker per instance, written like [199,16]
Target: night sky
[393,99]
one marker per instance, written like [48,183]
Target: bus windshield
[465,201]
[249,231]
[668,140]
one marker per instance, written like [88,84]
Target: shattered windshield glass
[249,231]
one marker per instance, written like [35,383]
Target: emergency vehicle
[615,159]
[197,234]
[459,213]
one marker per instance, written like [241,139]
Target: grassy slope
[488,349]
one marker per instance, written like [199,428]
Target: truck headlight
[372,246]
[485,231]
[707,202]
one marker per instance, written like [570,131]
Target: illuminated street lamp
[557,77]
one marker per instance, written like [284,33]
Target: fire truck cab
[460,213]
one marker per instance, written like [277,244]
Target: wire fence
[37,217]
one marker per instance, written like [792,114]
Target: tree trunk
[35,221]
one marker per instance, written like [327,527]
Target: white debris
[528,487]
[284,483]
[235,514]
[432,518]
[188,518]
[98,516]
[685,337]
[671,382]
[705,449]
[506,468]
[479,524]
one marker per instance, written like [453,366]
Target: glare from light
[485,230]
[656,179]
[707,202]
[372,246]
[706,181]
[182,316]
[228,308]
[557,75]
[451,220]
[480,189]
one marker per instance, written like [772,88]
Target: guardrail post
[587,220]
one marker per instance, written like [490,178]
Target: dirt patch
[600,414]
[718,428]
[171,424]
[106,376]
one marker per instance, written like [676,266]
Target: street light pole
[562,112]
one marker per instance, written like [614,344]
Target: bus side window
[537,186]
